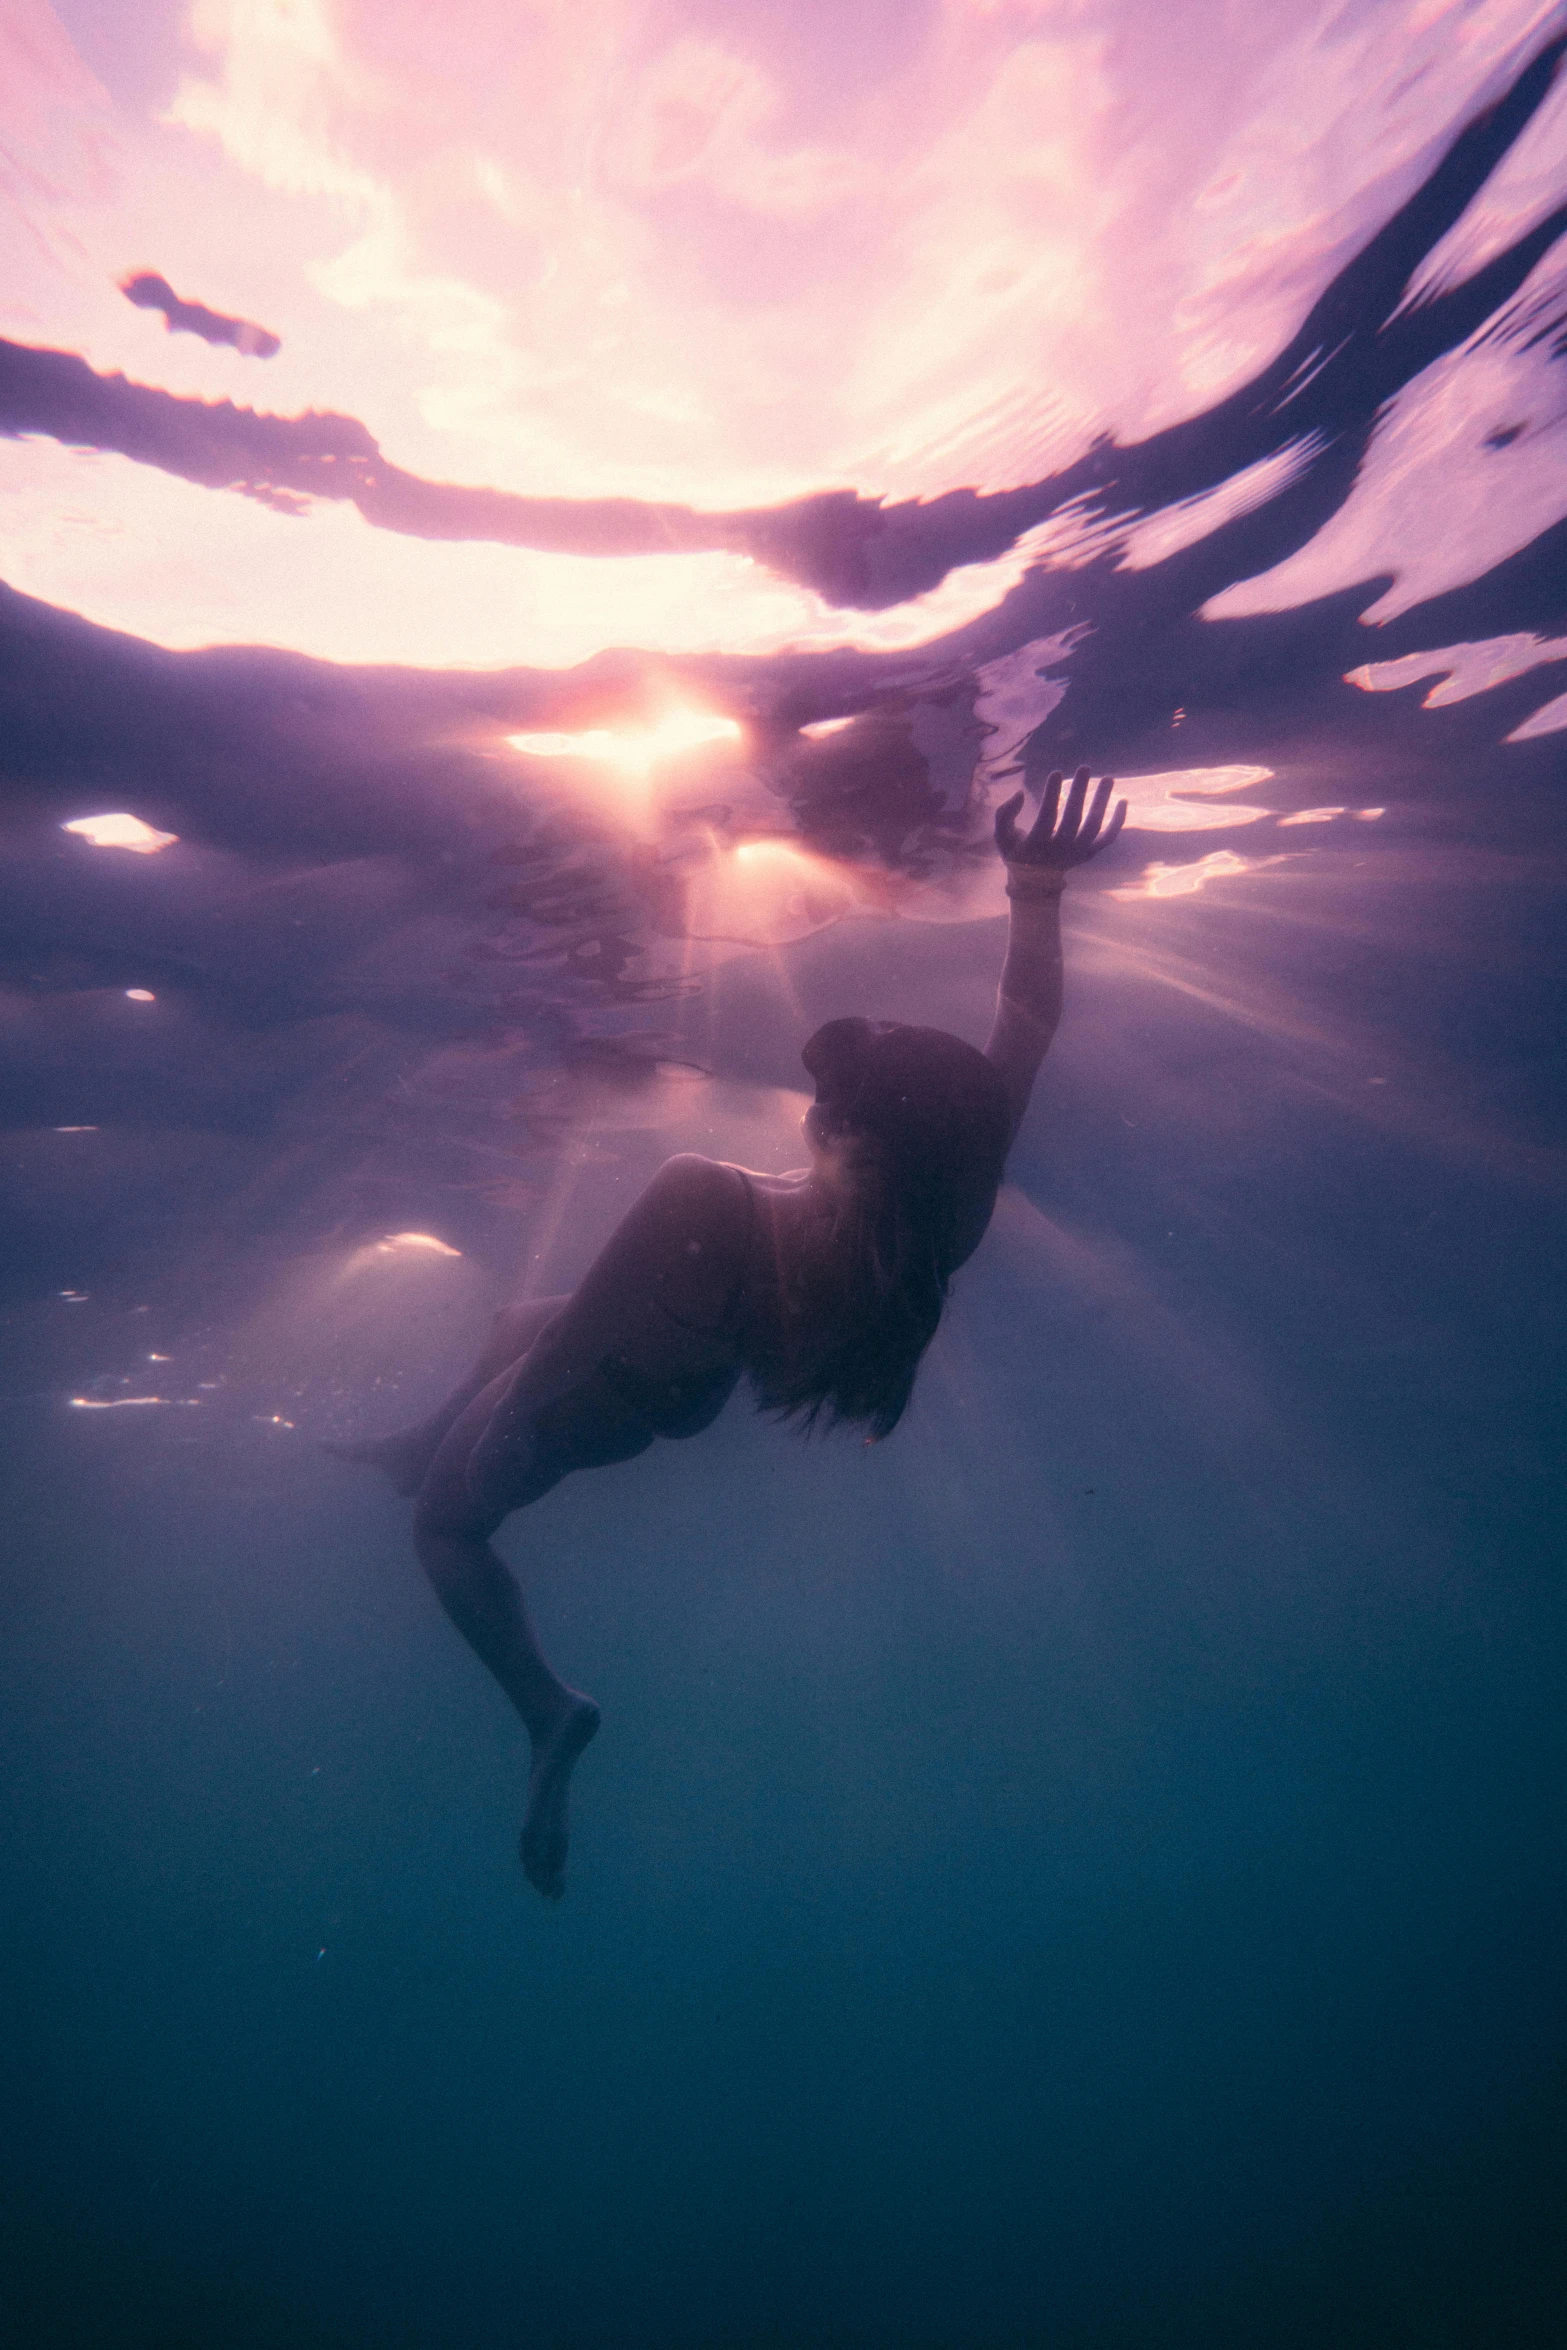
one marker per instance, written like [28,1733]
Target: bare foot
[544,1828]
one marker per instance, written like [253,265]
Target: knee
[446,1514]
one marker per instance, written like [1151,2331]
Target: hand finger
[1072,813]
[1115,824]
[1044,823]
[1006,824]
[1096,813]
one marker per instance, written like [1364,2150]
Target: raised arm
[1028,1002]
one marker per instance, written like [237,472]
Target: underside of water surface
[534,544]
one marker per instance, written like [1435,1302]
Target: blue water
[1087,1873]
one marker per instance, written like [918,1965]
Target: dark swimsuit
[619,1410]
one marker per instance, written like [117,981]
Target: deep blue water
[1087,1873]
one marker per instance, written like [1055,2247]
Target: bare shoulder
[696,1217]
[691,1187]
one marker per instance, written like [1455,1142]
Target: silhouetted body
[823,1286]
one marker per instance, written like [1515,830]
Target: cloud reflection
[1550,718]
[1184,881]
[1460,670]
[121,831]
[1182,800]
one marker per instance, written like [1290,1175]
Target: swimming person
[824,1286]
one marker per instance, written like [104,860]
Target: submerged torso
[624,1403]
[716,1310]
[677,1401]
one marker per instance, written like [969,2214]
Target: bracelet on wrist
[1034,882]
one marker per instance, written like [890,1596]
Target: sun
[635,751]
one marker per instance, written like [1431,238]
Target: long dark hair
[921,1122]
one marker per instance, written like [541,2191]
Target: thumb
[1006,823]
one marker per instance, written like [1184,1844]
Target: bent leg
[407,1457]
[481,1596]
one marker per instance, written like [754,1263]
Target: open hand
[1047,852]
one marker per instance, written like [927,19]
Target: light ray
[767,893]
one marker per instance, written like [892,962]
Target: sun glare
[636,751]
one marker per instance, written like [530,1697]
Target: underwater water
[552,532]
